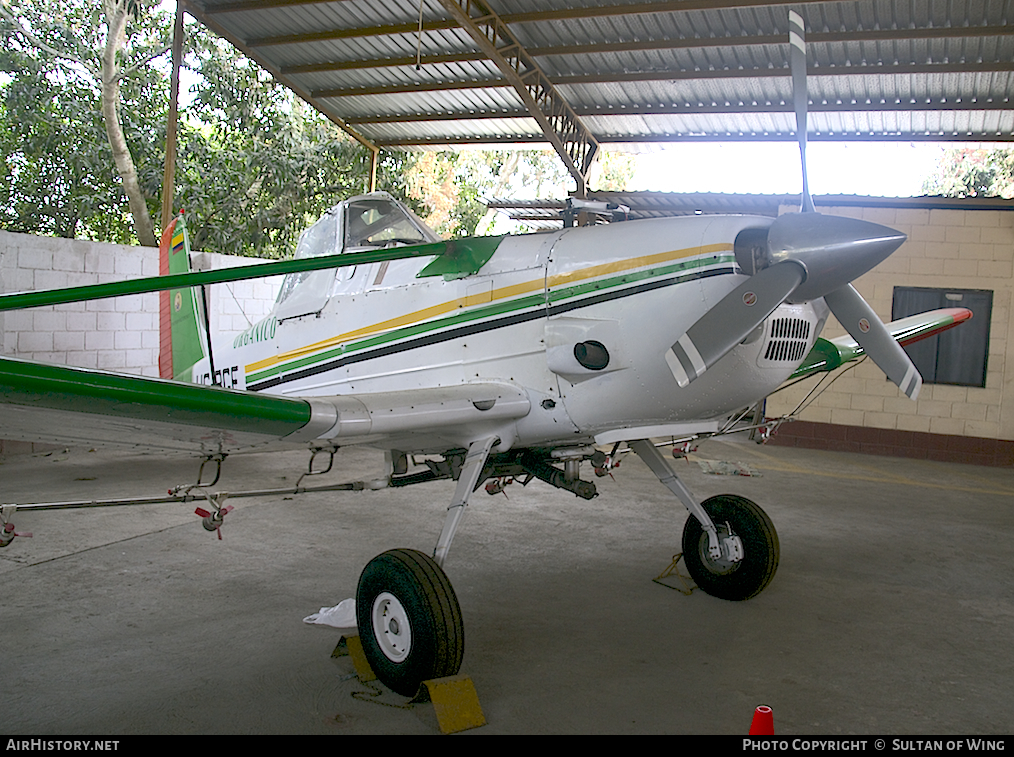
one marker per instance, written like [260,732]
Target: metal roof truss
[579,73]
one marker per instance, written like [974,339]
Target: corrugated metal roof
[637,73]
[547,214]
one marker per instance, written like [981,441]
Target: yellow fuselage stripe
[502,293]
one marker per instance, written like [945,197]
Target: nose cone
[834,250]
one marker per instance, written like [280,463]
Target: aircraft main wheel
[409,620]
[726,579]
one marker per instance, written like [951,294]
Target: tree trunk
[116,24]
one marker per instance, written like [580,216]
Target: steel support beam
[169,173]
[688,43]
[573,142]
[674,76]
[374,161]
[694,109]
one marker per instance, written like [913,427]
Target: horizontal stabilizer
[829,354]
[856,315]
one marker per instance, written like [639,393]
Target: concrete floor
[891,612]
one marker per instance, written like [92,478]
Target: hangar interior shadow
[889,613]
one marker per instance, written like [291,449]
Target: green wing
[453,259]
[77,406]
[48,403]
[829,354]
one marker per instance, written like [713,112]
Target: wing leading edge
[64,405]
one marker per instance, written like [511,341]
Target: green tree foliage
[256,165]
[453,187]
[450,187]
[61,178]
[613,172]
[973,172]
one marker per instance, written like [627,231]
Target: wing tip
[961,315]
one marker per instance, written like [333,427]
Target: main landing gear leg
[729,544]
[409,620]
[475,460]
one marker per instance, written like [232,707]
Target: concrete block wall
[118,334]
[961,249]
[237,305]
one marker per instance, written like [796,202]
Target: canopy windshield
[368,221]
[382,221]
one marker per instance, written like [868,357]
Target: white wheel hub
[731,547]
[391,627]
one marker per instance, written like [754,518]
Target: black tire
[728,580]
[407,587]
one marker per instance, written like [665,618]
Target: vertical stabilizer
[180,337]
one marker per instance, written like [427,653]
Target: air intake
[787,341]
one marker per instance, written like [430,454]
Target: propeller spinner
[807,255]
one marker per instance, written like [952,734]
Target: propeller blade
[730,321]
[800,96]
[858,318]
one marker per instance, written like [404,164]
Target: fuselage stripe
[534,311]
[537,286]
[312,354]
[537,300]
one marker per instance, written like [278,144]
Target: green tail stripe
[187,344]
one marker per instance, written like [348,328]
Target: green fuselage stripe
[480,312]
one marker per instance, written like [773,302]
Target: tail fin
[181,340]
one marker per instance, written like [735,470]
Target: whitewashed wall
[119,334]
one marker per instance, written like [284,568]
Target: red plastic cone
[763,722]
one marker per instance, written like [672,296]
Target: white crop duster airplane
[494,357]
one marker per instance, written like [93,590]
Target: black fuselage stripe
[491,325]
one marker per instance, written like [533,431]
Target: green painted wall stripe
[80,390]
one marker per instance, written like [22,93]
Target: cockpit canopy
[360,223]
[378,220]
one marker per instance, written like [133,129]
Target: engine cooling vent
[787,341]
